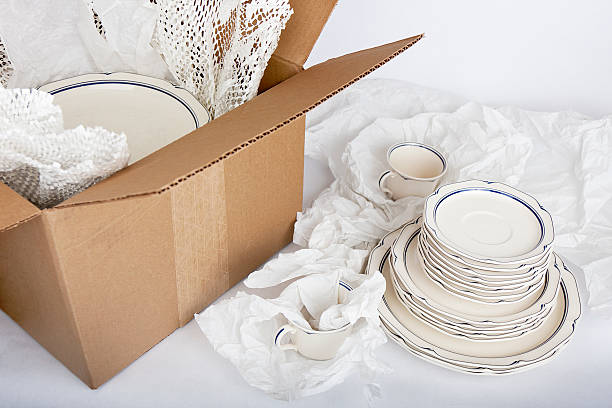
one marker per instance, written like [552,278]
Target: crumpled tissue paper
[563,159]
[242,328]
[48,41]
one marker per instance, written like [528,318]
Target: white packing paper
[128,30]
[563,159]
[242,328]
[51,40]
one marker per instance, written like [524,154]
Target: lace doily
[219,49]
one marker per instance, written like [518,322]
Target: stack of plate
[474,285]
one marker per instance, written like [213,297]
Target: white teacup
[416,170]
[314,344]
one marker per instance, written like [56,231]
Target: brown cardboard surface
[303,29]
[116,260]
[263,195]
[200,240]
[33,293]
[14,209]
[225,222]
[241,127]
[104,276]
[277,71]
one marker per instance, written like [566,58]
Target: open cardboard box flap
[303,29]
[297,40]
[241,127]
[222,137]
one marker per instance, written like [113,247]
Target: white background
[545,55]
[542,55]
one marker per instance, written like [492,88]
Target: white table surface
[184,371]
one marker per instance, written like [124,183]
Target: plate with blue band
[489,223]
[468,355]
[151,112]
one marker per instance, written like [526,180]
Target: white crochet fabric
[218,49]
[45,163]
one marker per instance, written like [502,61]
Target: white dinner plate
[476,369]
[471,332]
[151,112]
[504,354]
[409,271]
[443,318]
[489,222]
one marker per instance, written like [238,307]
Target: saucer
[489,223]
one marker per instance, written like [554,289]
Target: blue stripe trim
[278,334]
[126,82]
[497,192]
[345,286]
[424,146]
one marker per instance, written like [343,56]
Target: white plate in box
[151,112]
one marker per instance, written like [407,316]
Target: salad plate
[469,331]
[447,281]
[478,278]
[414,302]
[506,273]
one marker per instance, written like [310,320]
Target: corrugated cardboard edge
[413,40]
[14,209]
[65,296]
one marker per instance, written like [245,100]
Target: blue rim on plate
[547,234]
[376,262]
[180,94]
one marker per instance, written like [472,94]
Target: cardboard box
[104,276]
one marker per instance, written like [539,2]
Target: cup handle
[282,332]
[382,183]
